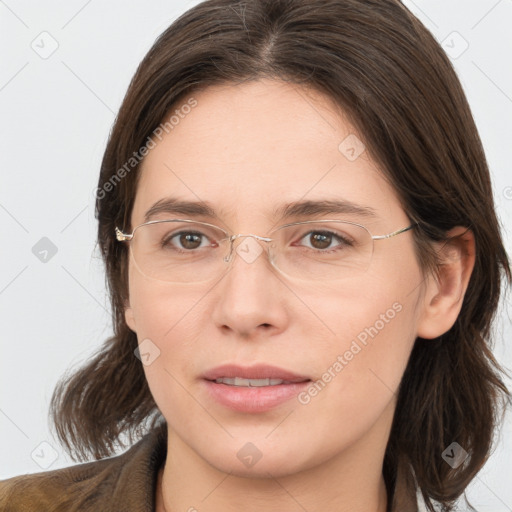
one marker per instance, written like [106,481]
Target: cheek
[358,376]
[169,321]
[159,308]
[370,329]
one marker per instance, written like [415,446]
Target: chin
[249,461]
[261,470]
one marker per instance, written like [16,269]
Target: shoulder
[122,482]
[61,489]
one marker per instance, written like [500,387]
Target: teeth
[239,381]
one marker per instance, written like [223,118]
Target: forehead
[248,148]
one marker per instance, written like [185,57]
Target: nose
[250,297]
[251,249]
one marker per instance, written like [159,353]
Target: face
[246,150]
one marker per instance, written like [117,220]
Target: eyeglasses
[186,251]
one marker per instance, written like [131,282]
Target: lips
[253,376]
[252,389]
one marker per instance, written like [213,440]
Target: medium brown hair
[392,79]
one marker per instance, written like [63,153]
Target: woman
[304,261]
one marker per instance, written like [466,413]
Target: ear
[444,294]
[129,317]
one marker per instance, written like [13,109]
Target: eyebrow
[325,207]
[286,211]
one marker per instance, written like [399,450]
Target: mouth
[251,383]
[253,376]
[253,389]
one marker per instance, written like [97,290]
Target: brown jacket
[123,483]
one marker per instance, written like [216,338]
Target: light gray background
[56,113]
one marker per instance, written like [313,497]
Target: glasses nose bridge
[232,238]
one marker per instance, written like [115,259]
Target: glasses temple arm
[397,232]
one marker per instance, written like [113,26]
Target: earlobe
[129,317]
[445,292]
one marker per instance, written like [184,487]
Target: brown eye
[190,240]
[322,240]
[186,240]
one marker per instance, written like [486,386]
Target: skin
[247,149]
